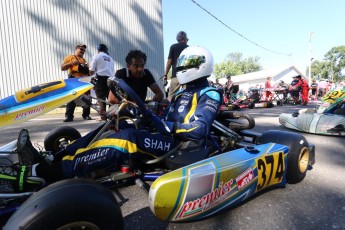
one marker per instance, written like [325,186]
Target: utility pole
[310,58]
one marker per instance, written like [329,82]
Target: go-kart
[328,118]
[189,183]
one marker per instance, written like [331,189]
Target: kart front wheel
[299,153]
[69,204]
[59,137]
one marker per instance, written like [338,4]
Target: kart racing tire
[58,136]
[69,204]
[299,154]
[251,105]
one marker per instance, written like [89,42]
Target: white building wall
[36,35]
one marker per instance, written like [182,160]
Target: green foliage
[332,65]
[234,65]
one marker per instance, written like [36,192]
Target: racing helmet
[193,63]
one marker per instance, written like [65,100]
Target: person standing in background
[77,67]
[268,88]
[314,87]
[228,87]
[174,53]
[137,77]
[103,66]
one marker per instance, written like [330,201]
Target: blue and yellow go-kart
[189,183]
[328,118]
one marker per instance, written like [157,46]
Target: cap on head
[298,76]
[181,36]
[80,46]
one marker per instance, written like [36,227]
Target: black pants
[70,107]
[102,90]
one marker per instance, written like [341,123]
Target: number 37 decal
[270,169]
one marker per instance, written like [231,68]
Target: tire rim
[79,225]
[303,160]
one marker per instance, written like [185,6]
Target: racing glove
[163,127]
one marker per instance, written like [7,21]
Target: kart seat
[189,152]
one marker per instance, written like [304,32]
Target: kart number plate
[270,169]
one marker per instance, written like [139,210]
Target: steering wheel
[141,105]
[132,94]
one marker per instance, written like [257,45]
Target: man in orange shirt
[77,67]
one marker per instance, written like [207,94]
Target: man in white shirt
[103,66]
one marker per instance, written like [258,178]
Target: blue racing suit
[189,116]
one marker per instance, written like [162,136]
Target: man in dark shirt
[137,77]
[174,53]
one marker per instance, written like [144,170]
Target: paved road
[318,202]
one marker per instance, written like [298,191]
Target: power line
[237,32]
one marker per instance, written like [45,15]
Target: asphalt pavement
[318,202]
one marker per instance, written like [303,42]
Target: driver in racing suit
[189,117]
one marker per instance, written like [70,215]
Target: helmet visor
[188,62]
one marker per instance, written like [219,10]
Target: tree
[332,65]
[319,70]
[234,65]
[336,58]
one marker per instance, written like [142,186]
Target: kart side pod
[208,186]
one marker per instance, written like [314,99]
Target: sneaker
[27,153]
[17,178]
[68,119]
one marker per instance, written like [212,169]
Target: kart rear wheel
[60,136]
[251,105]
[69,204]
[299,154]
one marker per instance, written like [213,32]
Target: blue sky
[277,25]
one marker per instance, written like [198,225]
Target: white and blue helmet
[193,63]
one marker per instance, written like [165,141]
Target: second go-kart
[327,119]
[189,183]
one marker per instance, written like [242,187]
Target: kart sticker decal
[334,96]
[28,113]
[271,168]
[245,178]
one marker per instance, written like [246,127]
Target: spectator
[174,53]
[322,85]
[304,88]
[137,77]
[77,67]
[294,90]
[103,66]
[219,87]
[228,87]
[313,87]
[268,88]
